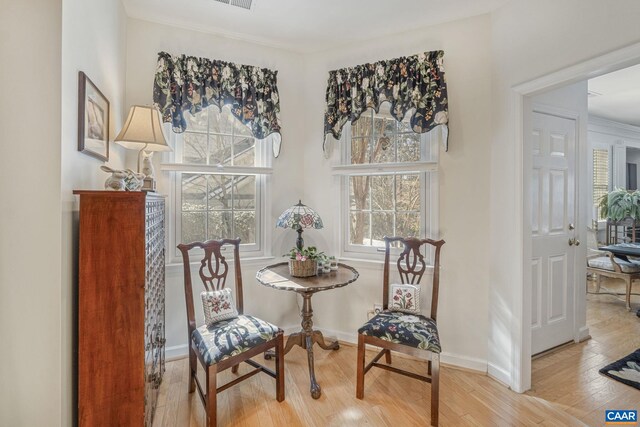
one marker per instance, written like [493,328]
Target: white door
[553,230]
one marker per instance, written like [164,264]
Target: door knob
[572,227]
[571,242]
[574,241]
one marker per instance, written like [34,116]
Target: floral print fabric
[187,83]
[405,298]
[230,337]
[409,329]
[218,305]
[412,82]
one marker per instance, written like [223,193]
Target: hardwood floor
[567,389]
[569,377]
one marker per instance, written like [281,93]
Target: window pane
[219,149]
[359,150]
[195,148]
[220,191]
[359,192]
[381,225]
[382,192]
[193,226]
[384,148]
[244,151]
[244,223]
[408,192]
[194,192]
[219,225]
[197,122]
[408,224]
[409,147]
[244,192]
[221,121]
[360,232]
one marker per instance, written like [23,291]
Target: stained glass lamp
[298,217]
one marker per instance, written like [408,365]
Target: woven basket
[304,268]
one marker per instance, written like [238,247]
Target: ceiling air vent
[245,4]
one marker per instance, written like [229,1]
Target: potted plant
[302,262]
[620,204]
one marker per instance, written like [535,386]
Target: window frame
[175,169]
[429,186]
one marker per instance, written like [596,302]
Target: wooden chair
[399,331]
[226,343]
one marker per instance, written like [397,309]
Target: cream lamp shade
[143,130]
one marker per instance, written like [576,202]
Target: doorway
[523,110]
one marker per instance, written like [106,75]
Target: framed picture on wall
[93,119]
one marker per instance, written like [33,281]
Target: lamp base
[149,184]
[299,240]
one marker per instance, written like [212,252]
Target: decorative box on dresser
[120,307]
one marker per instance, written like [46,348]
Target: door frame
[521,95]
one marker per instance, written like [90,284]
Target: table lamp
[298,217]
[143,131]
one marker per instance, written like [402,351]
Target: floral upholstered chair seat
[230,337]
[413,330]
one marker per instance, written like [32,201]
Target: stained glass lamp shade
[298,217]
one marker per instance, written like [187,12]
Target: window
[601,178]
[219,179]
[389,181]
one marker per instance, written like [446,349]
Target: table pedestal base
[305,339]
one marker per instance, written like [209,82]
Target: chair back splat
[412,266]
[213,272]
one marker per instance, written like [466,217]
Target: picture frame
[93,119]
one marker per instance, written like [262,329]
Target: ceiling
[616,96]
[305,26]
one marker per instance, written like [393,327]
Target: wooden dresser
[120,307]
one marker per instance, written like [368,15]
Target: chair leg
[387,357]
[193,362]
[628,298]
[280,368]
[212,405]
[598,282]
[234,368]
[360,366]
[435,379]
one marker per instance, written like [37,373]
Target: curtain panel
[186,83]
[409,83]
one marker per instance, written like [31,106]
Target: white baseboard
[474,364]
[583,334]
[499,374]
[466,362]
[176,352]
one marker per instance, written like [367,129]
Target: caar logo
[620,417]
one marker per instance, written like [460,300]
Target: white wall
[531,39]
[30,283]
[93,41]
[463,173]
[144,41]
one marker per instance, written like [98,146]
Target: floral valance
[414,82]
[186,83]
